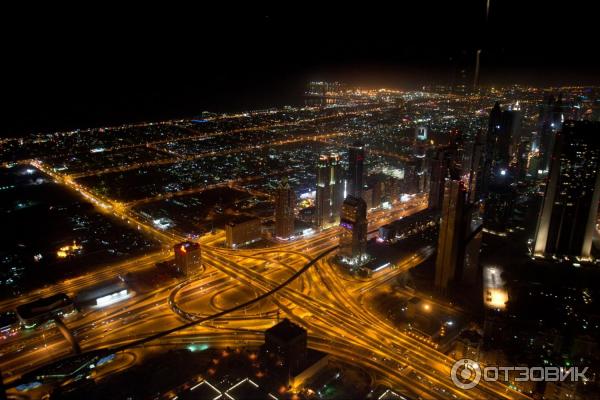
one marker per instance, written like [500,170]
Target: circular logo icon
[465,373]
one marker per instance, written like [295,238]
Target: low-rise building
[45,309]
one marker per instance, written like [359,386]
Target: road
[323,298]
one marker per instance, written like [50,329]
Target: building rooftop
[240,220]
[354,201]
[43,305]
[286,330]
[100,291]
[184,246]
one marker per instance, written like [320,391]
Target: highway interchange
[322,298]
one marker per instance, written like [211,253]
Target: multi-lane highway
[324,299]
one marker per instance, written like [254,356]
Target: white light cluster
[112,298]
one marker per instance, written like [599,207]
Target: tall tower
[285,200]
[490,145]
[472,169]
[336,183]
[511,129]
[568,216]
[329,189]
[459,238]
[549,123]
[438,168]
[356,154]
[448,240]
[353,241]
[496,187]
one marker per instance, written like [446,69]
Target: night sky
[108,66]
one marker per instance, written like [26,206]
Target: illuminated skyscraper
[285,200]
[504,127]
[330,189]
[420,142]
[491,145]
[502,136]
[356,154]
[353,240]
[188,257]
[459,238]
[511,129]
[471,166]
[448,240]
[460,160]
[568,216]
[421,133]
[438,168]
[499,202]
[550,122]
[524,160]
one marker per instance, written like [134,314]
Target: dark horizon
[103,70]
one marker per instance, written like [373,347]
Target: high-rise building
[422,177]
[524,160]
[471,166]
[420,142]
[494,123]
[356,155]
[501,148]
[242,231]
[188,257]
[337,180]
[391,188]
[499,203]
[511,129]
[491,147]
[285,200]
[412,176]
[353,240]
[376,186]
[286,346]
[459,238]
[308,215]
[367,196]
[448,240]
[421,133]
[330,190]
[549,123]
[438,168]
[497,188]
[568,215]
[461,160]
[595,111]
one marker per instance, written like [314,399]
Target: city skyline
[407,216]
[315,204]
